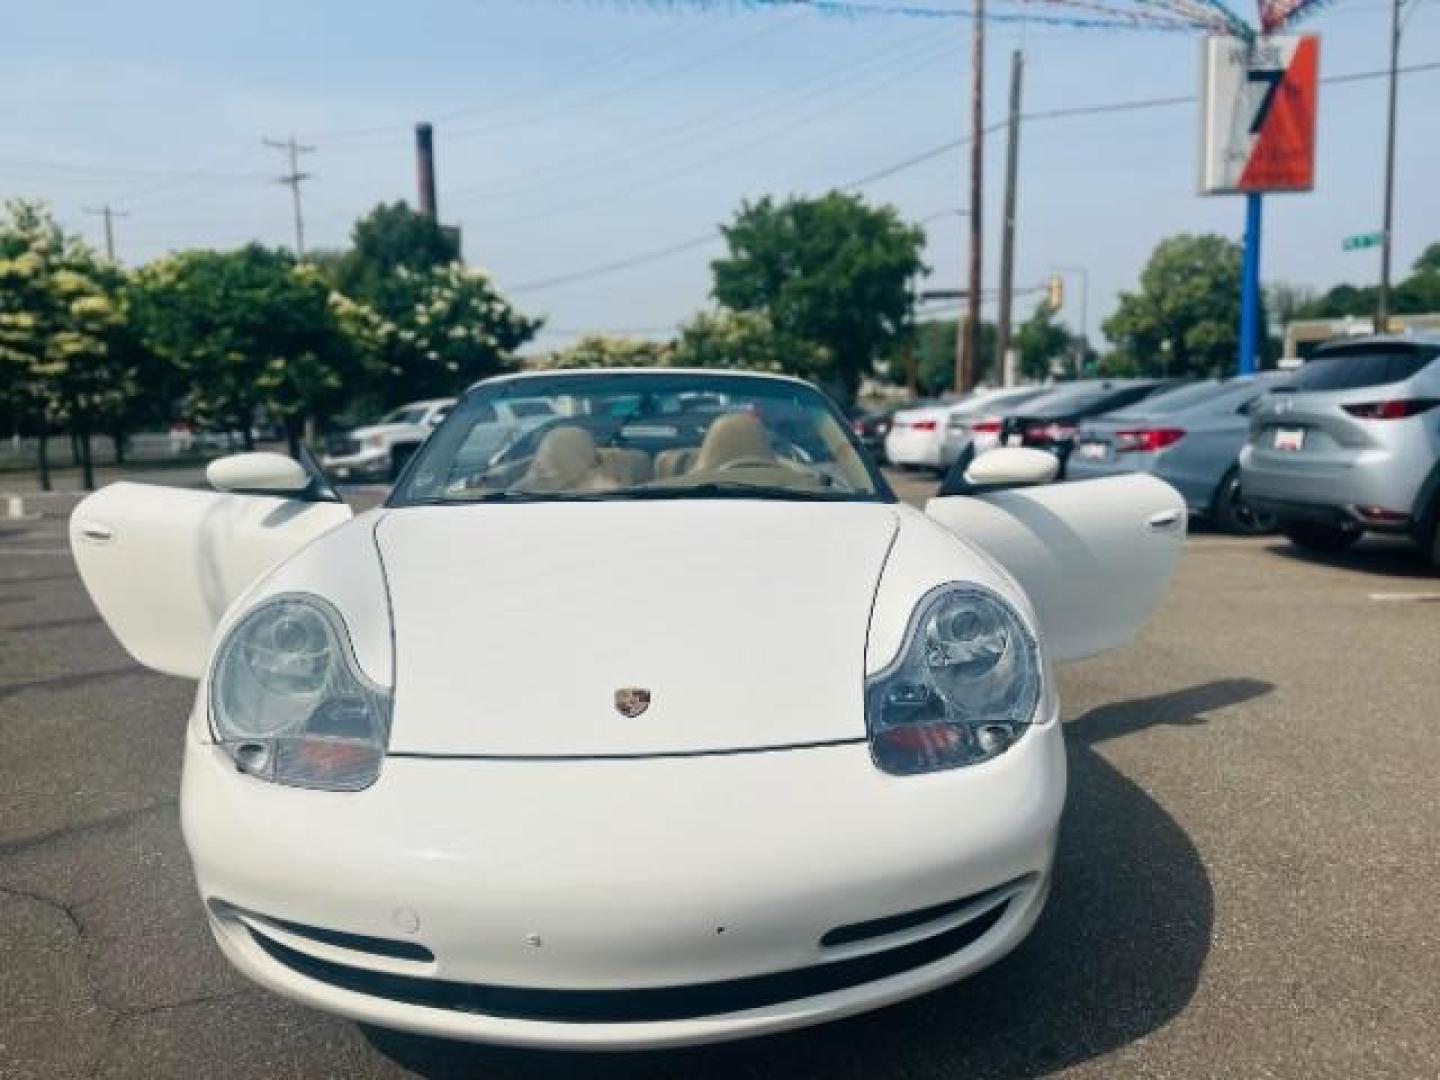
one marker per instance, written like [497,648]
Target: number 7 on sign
[1272,79]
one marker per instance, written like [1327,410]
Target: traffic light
[1055,292]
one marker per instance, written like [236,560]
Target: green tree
[1184,320]
[251,331]
[1044,344]
[830,270]
[933,344]
[58,317]
[389,237]
[607,351]
[747,340]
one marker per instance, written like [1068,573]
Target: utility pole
[1382,312]
[294,178]
[425,169]
[109,215]
[967,355]
[1007,236]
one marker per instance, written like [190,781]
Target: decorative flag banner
[1207,16]
[1257,114]
[1173,16]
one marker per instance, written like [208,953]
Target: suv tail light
[1391,410]
[1146,440]
[989,426]
[924,425]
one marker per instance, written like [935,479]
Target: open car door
[163,564]
[1094,556]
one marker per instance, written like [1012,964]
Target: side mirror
[1010,467]
[259,474]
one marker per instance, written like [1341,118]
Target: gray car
[1191,438]
[1354,446]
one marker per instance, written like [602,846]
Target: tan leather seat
[733,437]
[670,463]
[627,467]
[565,460]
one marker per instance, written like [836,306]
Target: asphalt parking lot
[1246,886]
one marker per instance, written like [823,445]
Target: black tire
[1234,515]
[1313,536]
[399,457]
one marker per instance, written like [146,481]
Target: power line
[654,179]
[657,254]
[692,129]
[293,179]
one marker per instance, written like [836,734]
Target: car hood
[516,626]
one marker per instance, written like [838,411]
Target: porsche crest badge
[631,701]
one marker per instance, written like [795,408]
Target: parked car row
[1346,445]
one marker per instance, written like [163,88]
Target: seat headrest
[563,460]
[732,437]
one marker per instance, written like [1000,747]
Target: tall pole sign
[1257,135]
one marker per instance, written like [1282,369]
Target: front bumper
[622,904]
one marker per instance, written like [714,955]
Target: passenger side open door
[163,564]
[1094,556]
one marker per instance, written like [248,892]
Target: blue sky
[571,134]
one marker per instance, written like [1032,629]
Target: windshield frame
[521,386]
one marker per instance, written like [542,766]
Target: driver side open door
[163,564]
[1094,556]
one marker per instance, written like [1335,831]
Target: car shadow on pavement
[1117,954]
[1391,557]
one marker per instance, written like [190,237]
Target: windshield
[406,414]
[640,435]
[1352,367]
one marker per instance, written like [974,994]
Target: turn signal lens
[1391,410]
[1147,440]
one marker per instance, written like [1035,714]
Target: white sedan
[662,723]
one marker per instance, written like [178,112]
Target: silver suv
[1352,445]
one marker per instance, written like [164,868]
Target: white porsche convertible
[658,723]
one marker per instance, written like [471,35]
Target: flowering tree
[442,328]
[748,340]
[58,320]
[605,351]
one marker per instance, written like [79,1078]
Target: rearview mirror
[258,474]
[1011,466]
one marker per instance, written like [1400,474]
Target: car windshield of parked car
[1356,366]
[1186,397]
[638,435]
[1065,400]
[408,414]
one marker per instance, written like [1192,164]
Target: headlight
[289,703]
[965,686]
